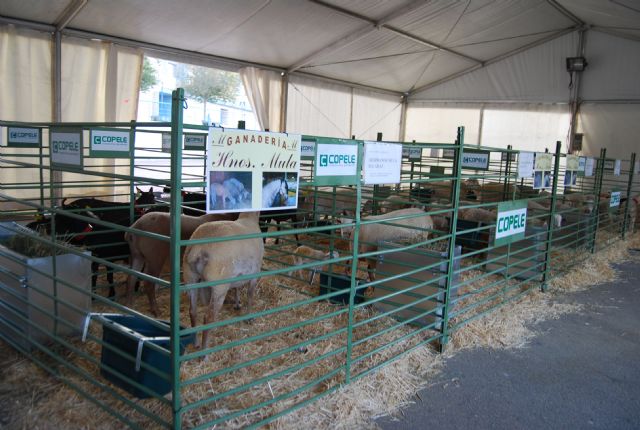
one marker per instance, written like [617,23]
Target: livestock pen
[398,266]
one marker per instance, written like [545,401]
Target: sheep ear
[150,189]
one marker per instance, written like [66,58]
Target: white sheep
[305,254]
[149,255]
[222,261]
[417,228]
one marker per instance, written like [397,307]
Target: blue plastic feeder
[126,352]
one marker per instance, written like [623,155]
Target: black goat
[193,203]
[103,242]
[111,211]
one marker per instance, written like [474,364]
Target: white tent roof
[398,45]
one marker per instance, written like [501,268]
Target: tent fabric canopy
[404,46]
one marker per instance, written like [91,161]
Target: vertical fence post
[176,202]
[629,189]
[354,264]
[455,204]
[596,208]
[550,221]
[132,159]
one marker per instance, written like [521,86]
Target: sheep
[305,254]
[149,255]
[417,229]
[222,260]
[477,214]
[494,192]
[535,206]
[395,202]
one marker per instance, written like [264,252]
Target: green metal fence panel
[354,278]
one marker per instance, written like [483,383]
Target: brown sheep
[222,260]
[149,255]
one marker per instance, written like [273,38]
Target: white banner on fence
[195,141]
[382,163]
[636,168]
[511,222]
[588,167]
[252,170]
[582,161]
[525,164]
[308,149]
[66,147]
[1,136]
[412,153]
[616,168]
[109,143]
[336,160]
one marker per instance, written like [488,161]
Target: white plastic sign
[382,163]
[582,161]
[195,141]
[478,160]
[525,164]
[308,149]
[25,137]
[66,147]
[412,153]
[511,221]
[588,167]
[336,160]
[110,143]
[616,168]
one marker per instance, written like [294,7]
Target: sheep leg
[112,288]
[94,275]
[150,288]
[136,264]
[217,297]
[277,229]
[237,305]
[252,289]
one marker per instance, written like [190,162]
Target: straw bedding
[30,398]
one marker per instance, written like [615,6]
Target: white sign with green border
[412,153]
[195,141]
[336,162]
[109,143]
[66,147]
[308,149]
[511,222]
[24,137]
[477,160]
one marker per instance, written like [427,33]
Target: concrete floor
[581,372]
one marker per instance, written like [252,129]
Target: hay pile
[32,399]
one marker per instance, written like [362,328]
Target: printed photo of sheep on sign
[279,190]
[229,191]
